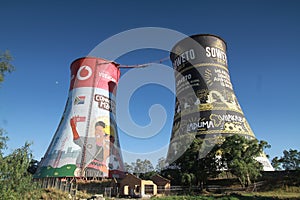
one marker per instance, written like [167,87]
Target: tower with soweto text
[206,105]
[86,144]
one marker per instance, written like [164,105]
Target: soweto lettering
[213,52]
[184,57]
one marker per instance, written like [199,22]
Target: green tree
[289,161]
[141,167]
[128,168]
[33,165]
[137,167]
[147,166]
[188,179]
[239,153]
[5,65]
[193,168]
[15,181]
[161,164]
[3,140]
[276,163]
[173,174]
[148,175]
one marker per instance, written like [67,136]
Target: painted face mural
[86,142]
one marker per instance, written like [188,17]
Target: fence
[64,184]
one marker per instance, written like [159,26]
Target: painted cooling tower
[210,108]
[86,142]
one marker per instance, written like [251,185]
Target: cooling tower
[86,142]
[206,105]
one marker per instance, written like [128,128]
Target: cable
[135,66]
[144,65]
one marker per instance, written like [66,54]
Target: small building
[133,186]
[163,184]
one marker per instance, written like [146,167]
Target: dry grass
[285,192]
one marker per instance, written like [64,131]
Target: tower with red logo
[86,143]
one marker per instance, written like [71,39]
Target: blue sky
[44,37]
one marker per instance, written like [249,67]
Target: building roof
[159,180]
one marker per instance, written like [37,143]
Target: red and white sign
[94,72]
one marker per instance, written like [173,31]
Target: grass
[277,195]
[284,193]
[195,198]
[52,193]
[241,196]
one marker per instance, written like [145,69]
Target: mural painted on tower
[86,142]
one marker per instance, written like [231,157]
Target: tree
[128,168]
[234,153]
[238,154]
[3,140]
[193,168]
[33,166]
[187,179]
[137,167]
[276,163]
[289,161]
[147,166]
[5,65]
[161,164]
[16,182]
[141,167]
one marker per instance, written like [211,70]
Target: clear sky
[44,37]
